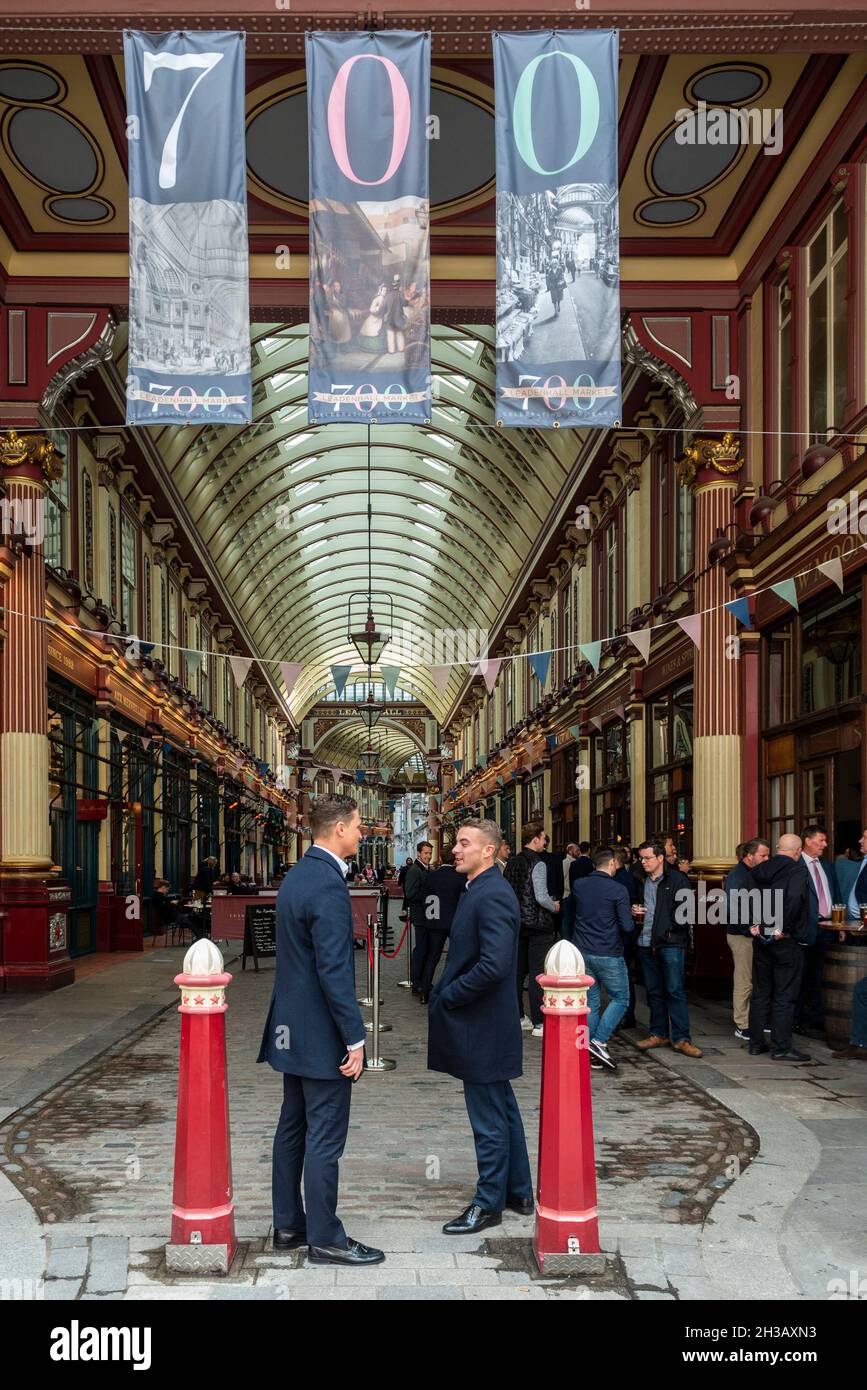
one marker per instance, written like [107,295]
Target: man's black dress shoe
[474,1219]
[524,1206]
[353,1253]
[790,1054]
[285,1239]
[756,1048]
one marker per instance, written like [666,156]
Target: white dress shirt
[344,869]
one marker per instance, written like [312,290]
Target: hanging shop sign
[368,101]
[189,315]
[558,270]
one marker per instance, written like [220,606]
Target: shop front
[812,701]
[75,807]
[668,720]
[564,798]
[611,788]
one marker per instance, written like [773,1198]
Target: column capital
[29,456]
[709,460]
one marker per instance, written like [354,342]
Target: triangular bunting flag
[336,774]
[145,744]
[575,731]
[385,774]
[360,774]
[289,672]
[596,722]
[459,766]
[500,781]
[740,609]
[490,669]
[592,651]
[240,668]
[539,664]
[339,675]
[692,627]
[620,711]
[787,591]
[551,740]
[389,675]
[483,760]
[833,570]
[194,660]
[641,641]
[440,675]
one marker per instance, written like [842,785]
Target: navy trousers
[310,1137]
[501,1149]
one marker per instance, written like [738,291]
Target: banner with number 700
[189,317]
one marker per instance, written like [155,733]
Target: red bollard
[567,1229]
[203,1216]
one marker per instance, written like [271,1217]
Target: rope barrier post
[407,983]
[566,1238]
[367,998]
[374,1062]
[374,1025]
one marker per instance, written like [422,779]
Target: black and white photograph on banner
[559,286]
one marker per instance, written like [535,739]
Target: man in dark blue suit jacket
[314,1035]
[810,1016]
[475,1029]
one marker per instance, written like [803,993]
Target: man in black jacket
[443,889]
[582,866]
[603,922]
[662,916]
[474,1033]
[414,892]
[528,875]
[740,880]
[778,949]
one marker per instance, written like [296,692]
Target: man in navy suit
[475,1029]
[824,892]
[314,1035]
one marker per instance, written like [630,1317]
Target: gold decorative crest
[722,455]
[17,450]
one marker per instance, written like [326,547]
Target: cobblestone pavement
[93,1157]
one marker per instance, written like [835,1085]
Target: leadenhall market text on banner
[367,104]
[558,267]
[189,314]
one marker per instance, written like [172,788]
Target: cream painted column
[711,468]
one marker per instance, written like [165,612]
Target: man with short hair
[503,854]
[824,892]
[778,950]
[568,902]
[414,888]
[582,865]
[662,942]
[314,1035]
[738,880]
[528,874]
[474,1030]
[443,888]
[602,923]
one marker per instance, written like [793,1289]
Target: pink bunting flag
[833,570]
[596,722]
[641,641]
[490,669]
[336,774]
[145,743]
[290,671]
[620,711]
[240,668]
[692,627]
[440,675]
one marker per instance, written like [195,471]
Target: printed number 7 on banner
[178,62]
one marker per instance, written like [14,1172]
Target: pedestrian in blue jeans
[662,942]
[601,923]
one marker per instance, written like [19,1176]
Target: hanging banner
[367,106]
[558,265]
[189,315]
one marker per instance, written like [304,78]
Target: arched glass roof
[281,507]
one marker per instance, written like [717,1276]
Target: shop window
[87,526]
[534,805]
[781,805]
[831,656]
[148,600]
[669,754]
[827,325]
[171,655]
[785,370]
[56,542]
[128,565]
[112,559]
[780,672]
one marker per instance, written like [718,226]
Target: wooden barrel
[845,965]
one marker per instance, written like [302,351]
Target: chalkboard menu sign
[260,933]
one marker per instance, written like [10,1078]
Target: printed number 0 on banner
[177,62]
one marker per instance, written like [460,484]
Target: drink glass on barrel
[862,913]
[838,914]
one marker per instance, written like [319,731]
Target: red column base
[34,928]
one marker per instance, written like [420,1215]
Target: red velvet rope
[389,955]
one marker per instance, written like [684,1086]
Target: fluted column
[35,954]
[711,467]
